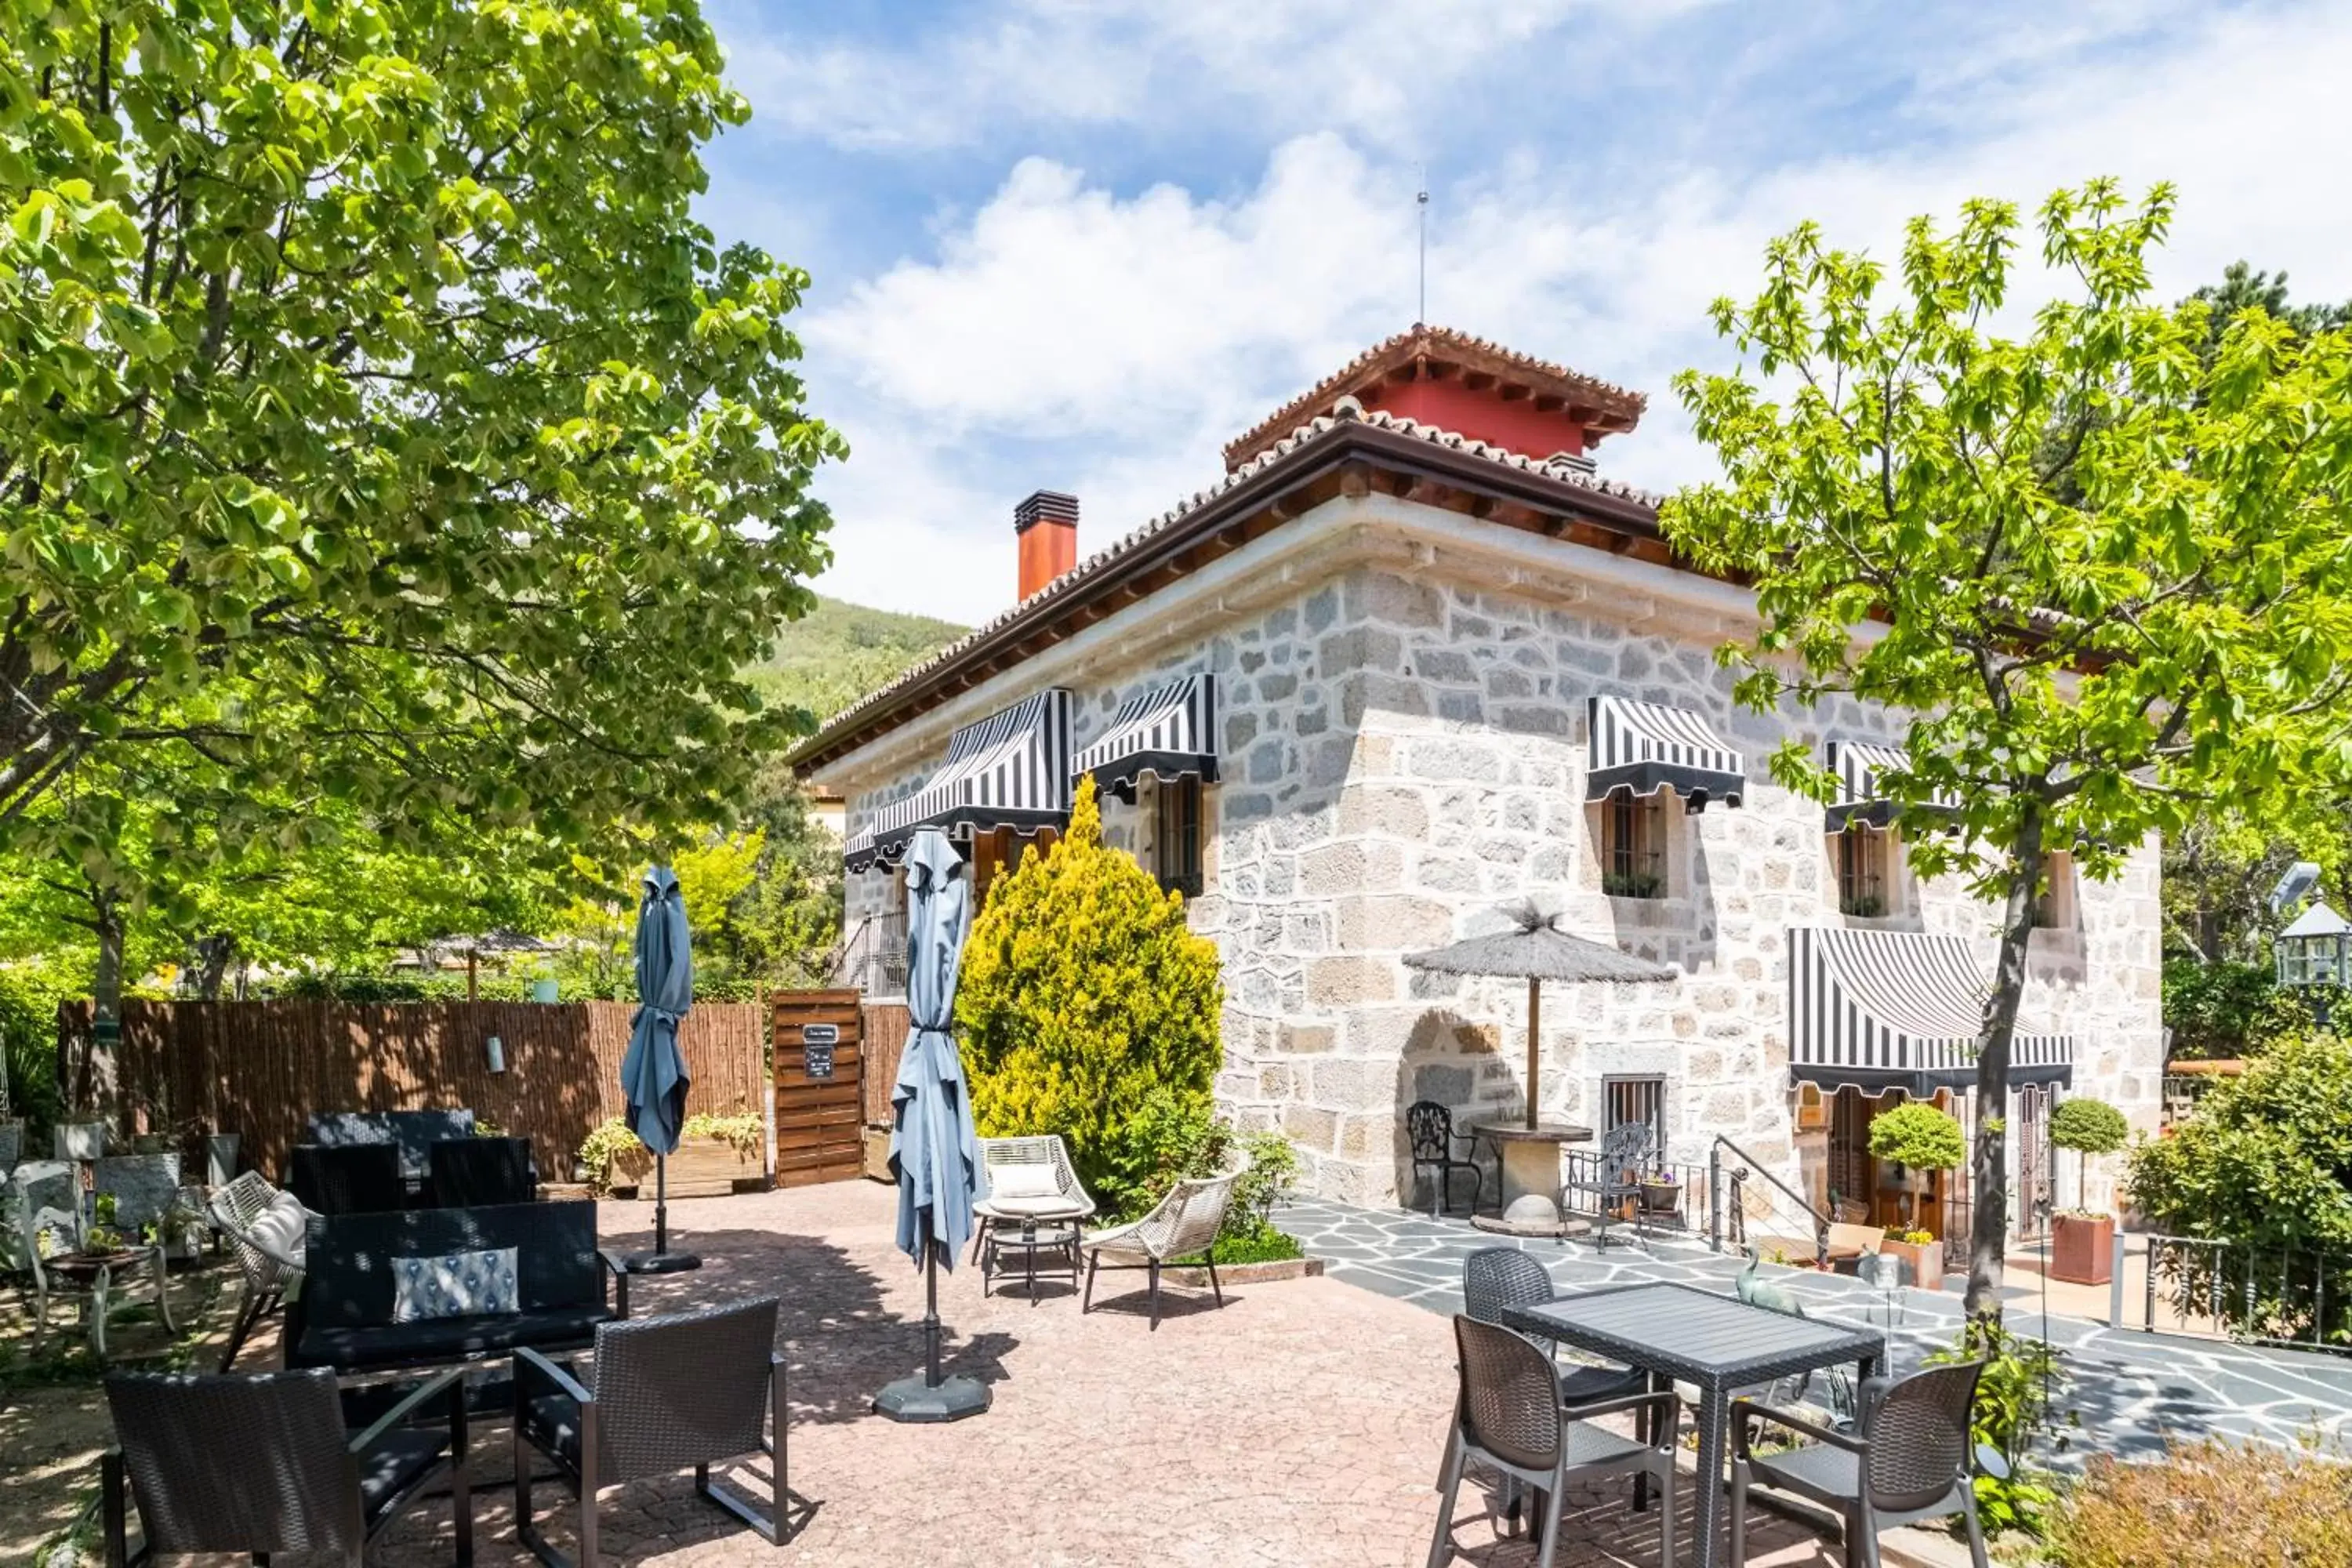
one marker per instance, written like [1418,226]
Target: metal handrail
[1752,1166]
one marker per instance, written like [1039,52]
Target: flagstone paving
[1300,1424]
[2131,1390]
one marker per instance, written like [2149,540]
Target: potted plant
[1662,1194]
[1918,1137]
[2083,1240]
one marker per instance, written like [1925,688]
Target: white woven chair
[1184,1223]
[270,1260]
[1029,1180]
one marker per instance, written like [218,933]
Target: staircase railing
[874,956]
[1732,1206]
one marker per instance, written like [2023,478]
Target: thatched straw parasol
[1536,950]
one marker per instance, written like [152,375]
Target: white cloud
[1063,336]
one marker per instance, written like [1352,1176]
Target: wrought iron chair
[1913,1459]
[681,1391]
[1508,1419]
[1613,1178]
[266,1463]
[1183,1223]
[1429,1128]
[265,1230]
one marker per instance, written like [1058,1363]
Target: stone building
[1413,658]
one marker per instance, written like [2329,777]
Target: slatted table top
[1695,1335]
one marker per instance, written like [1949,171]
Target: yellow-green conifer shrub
[1083,997]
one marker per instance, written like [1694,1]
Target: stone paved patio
[2130,1388]
[1301,1424]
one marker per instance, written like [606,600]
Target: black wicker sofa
[566,1285]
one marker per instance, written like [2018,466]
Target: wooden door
[819,1064]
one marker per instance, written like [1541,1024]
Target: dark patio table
[1681,1332]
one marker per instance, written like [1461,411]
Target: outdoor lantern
[2312,954]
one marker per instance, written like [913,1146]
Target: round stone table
[1530,1162]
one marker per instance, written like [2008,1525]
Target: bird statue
[1760,1292]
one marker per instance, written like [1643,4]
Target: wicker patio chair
[670,1393]
[1508,1419]
[265,1463]
[1496,1278]
[1183,1223]
[1029,1180]
[472,1172]
[1429,1129]
[265,1229]
[351,1178]
[1613,1178]
[1915,1459]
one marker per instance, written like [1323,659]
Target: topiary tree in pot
[2081,1243]
[1920,1138]
[1089,1009]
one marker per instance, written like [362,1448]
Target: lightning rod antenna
[1420,201]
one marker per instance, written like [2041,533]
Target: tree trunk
[1988,1225]
[211,967]
[101,1081]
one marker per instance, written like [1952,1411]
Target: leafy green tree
[1918,1137]
[2244,288]
[2088,1126]
[1089,1009]
[2108,578]
[2264,1162]
[377,424]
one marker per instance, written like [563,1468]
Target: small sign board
[818,1060]
[820,1034]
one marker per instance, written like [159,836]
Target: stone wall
[1404,752]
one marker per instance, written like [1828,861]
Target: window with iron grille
[1637,1097]
[1632,847]
[1862,859]
[1176,835]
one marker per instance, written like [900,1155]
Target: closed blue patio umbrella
[934,1152]
[653,1074]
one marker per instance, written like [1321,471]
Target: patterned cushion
[462,1284]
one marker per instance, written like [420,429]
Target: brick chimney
[1046,524]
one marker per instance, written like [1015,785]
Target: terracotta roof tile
[1440,342]
[1349,411]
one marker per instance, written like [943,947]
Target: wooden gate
[820,1060]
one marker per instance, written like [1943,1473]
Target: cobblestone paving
[1300,1424]
[2129,1389]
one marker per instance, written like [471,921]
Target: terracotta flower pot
[2083,1249]
[1925,1258]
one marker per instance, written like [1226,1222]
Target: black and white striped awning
[1645,747]
[1857,764]
[1170,732]
[1888,1009]
[1010,770]
[857,852]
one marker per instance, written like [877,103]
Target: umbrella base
[913,1399]
[660,1262]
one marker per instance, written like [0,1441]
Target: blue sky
[1076,246]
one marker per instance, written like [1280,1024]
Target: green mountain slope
[838,652]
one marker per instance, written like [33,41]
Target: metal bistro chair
[1183,1223]
[1615,1178]
[265,1463]
[1915,1459]
[1429,1128]
[266,1231]
[1509,1418]
[681,1391]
